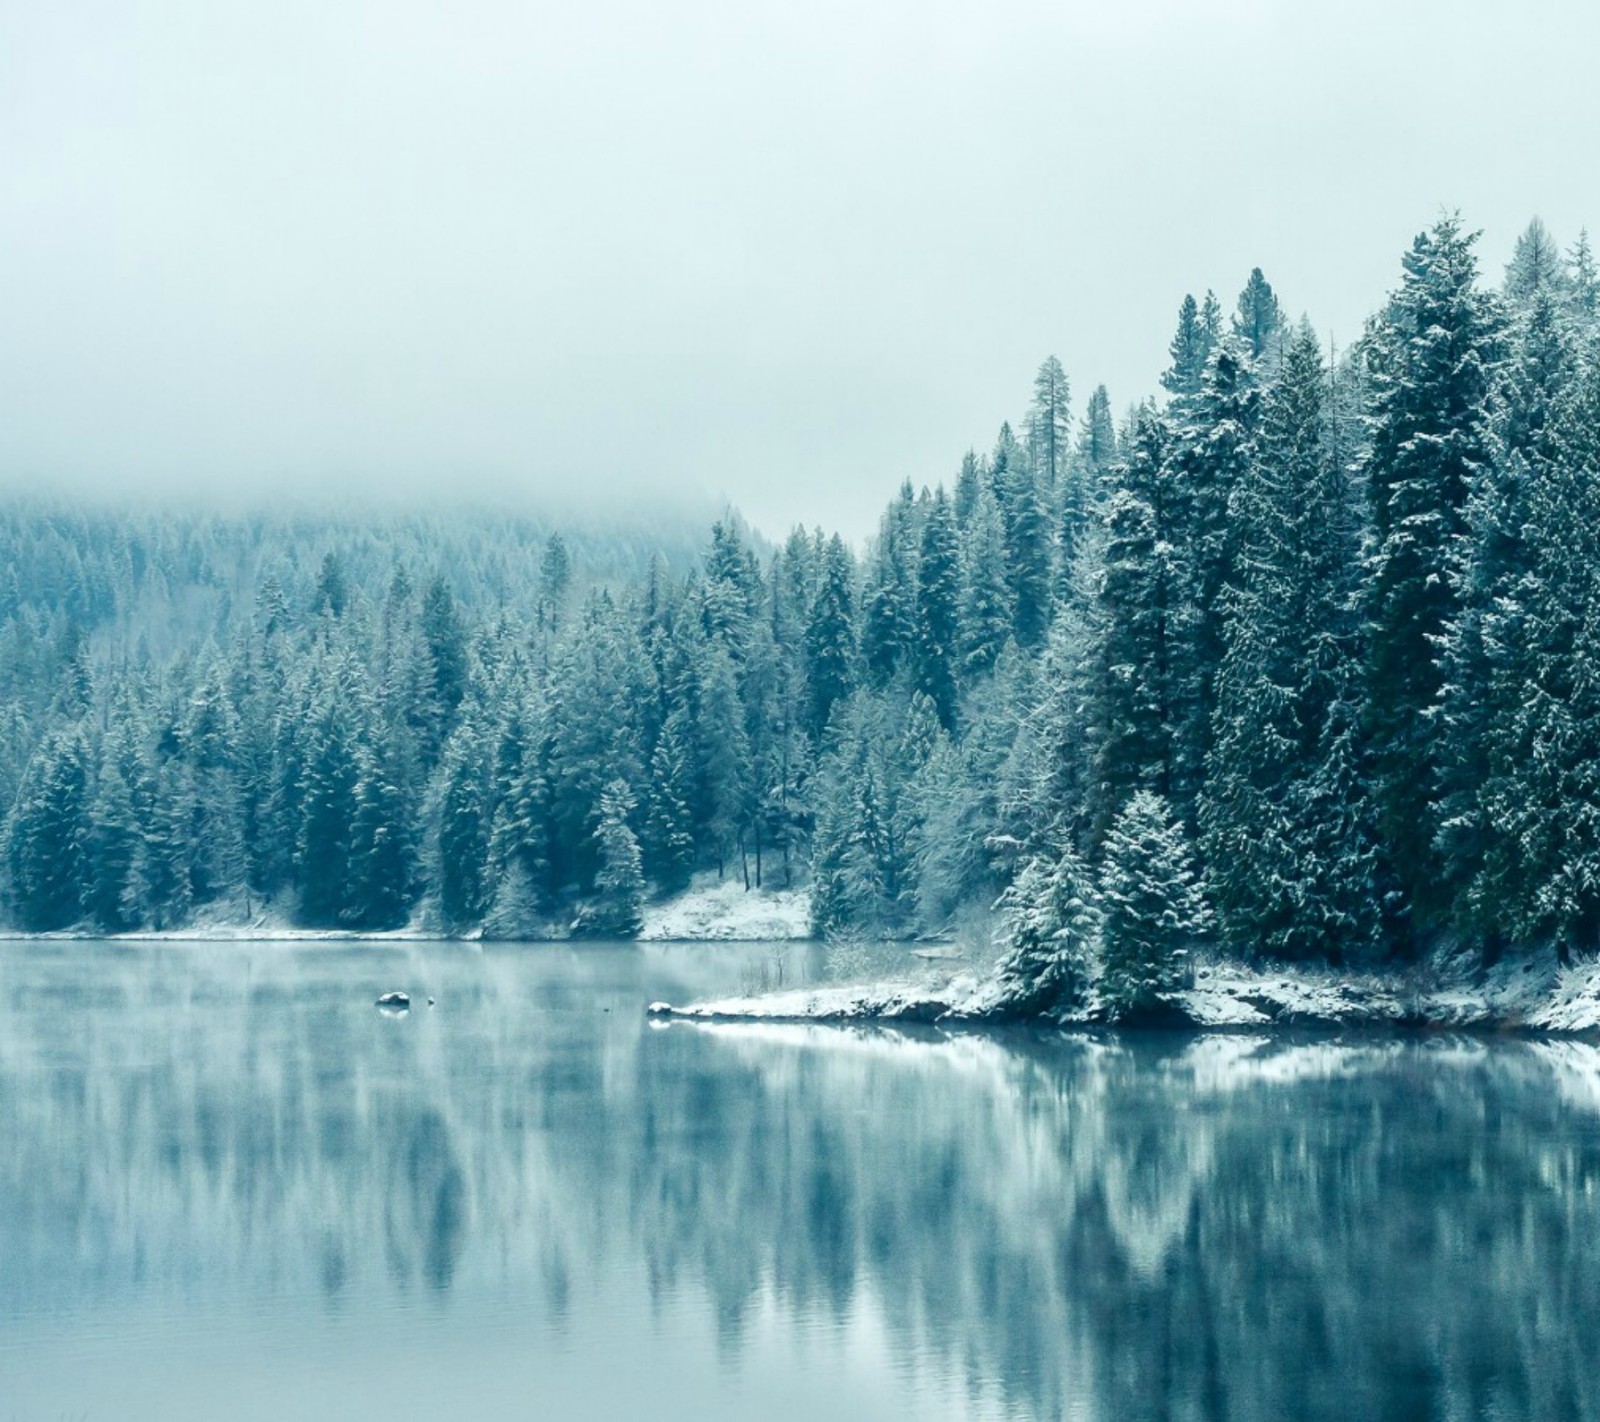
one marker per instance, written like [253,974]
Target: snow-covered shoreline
[1527,993]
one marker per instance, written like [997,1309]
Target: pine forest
[1296,659]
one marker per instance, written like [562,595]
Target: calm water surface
[229,1188]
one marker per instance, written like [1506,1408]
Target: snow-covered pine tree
[1189,351]
[617,910]
[1029,548]
[1485,665]
[465,821]
[986,618]
[381,868]
[1048,933]
[830,637]
[669,825]
[1083,493]
[1430,360]
[1283,817]
[1258,318]
[1050,426]
[938,610]
[1539,798]
[47,835]
[1144,618]
[1153,913]
[888,609]
[1536,267]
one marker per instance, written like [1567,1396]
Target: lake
[229,1187]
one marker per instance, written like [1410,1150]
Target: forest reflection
[1205,1227]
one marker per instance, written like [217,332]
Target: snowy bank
[728,912]
[1524,993]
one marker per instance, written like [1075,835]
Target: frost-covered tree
[1258,318]
[938,610]
[888,613]
[465,820]
[1142,676]
[1152,911]
[47,837]
[1284,822]
[1049,425]
[986,619]
[1189,351]
[1430,360]
[830,638]
[1536,267]
[618,907]
[669,827]
[1048,934]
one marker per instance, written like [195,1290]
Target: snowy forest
[1298,657]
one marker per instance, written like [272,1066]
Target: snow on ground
[728,912]
[1229,995]
[1523,992]
[883,1002]
[1574,1003]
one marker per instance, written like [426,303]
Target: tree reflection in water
[1192,1227]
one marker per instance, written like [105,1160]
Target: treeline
[1297,658]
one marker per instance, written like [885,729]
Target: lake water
[230,1188]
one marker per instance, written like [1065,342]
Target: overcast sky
[787,253]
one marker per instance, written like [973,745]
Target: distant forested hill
[1298,657]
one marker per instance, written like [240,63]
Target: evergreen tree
[669,829]
[1431,360]
[938,610]
[1211,460]
[888,632]
[968,482]
[1048,935]
[380,850]
[1189,351]
[1484,677]
[617,911]
[1153,913]
[47,836]
[1584,282]
[1258,317]
[555,582]
[1087,484]
[1141,676]
[116,892]
[1283,815]
[830,636]
[465,821]
[332,594]
[1049,427]
[1536,267]
[1537,876]
[446,641]
[986,618]
[1028,560]
[327,803]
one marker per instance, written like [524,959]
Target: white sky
[787,253]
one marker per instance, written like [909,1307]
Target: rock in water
[395,1002]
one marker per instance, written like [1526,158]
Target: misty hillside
[1295,659]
